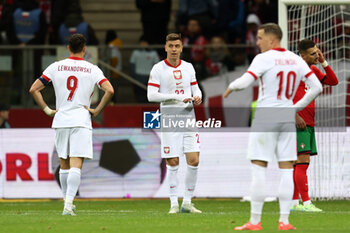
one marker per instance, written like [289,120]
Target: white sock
[190,183]
[68,205]
[285,194]
[284,218]
[63,180]
[258,193]
[295,202]
[307,202]
[173,183]
[73,182]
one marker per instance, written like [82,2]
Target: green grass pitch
[151,216]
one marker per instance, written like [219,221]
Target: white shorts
[277,139]
[74,142]
[175,144]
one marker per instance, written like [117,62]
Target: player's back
[73,80]
[279,72]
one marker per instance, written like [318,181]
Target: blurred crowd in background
[212,31]
[51,21]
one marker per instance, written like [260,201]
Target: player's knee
[304,158]
[173,162]
[193,162]
[64,164]
[76,162]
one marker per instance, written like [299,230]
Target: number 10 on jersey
[291,75]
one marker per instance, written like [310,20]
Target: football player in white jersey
[73,80]
[279,72]
[173,83]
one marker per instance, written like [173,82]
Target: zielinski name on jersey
[74,68]
[285,62]
[155,120]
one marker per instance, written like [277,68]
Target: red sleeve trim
[102,81]
[308,74]
[254,76]
[194,83]
[153,84]
[46,78]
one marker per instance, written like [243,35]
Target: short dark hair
[305,44]
[110,36]
[77,43]
[4,107]
[173,36]
[272,28]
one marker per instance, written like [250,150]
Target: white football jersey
[74,80]
[279,73]
[173,80]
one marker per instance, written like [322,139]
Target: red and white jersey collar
[167,62]
[75,58]
[280,49]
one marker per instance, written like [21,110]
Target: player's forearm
[155,96]
[308,97]
[105,100]
[38,98]
[159,97]
[312,93]
[34,90]
[241,83]
[331,78]
[196,91]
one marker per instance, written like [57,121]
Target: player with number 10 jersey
[74,80]
[273,130]
[279,72]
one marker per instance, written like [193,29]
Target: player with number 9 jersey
[74,80]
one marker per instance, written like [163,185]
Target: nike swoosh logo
[178,83]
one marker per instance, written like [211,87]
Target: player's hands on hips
[227,92]
[300,123]
[197,100]
[320,56]
[53,113]
[93,112]
[50,112]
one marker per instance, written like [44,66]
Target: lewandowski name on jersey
[73,68]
